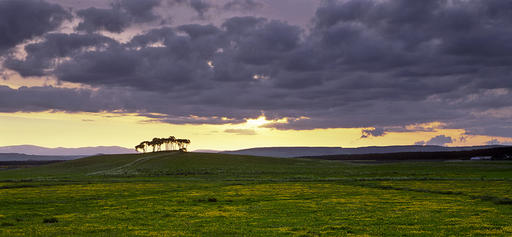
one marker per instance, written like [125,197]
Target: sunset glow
[232,75]
[58,129]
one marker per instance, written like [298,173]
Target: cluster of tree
[171,144]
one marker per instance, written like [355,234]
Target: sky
[232,74]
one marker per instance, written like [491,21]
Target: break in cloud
[360,63]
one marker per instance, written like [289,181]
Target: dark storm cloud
[154,106]
[42,56]
[50,98]
[117,18]
[497,128]
[177,64]
[24,19]
[200,6]
[94,19]
[180,61]
[363,63]
[140,10]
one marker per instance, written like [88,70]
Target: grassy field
[191,194]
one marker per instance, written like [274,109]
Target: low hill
[61,151]
[497,153]
[162,163]
[225,166]
[287,152]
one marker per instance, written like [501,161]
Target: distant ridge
[61,151]
[24,157]
[288,152]
[207,151]
[492,153]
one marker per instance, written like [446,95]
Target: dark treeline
[500,153]
[170,144]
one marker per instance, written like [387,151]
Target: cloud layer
[24,19]
[440,140]
[362,63]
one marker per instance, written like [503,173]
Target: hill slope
[210,166]
[163,163]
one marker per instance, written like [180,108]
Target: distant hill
[61,151]
[207,151]
[24,157]
[288,152]
[495,153]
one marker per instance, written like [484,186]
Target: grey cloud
[440,140]
[376,132]
[24,19]
[242,5]
[175,66]
[51,98]
[117,18]
[364,63]
[203,7]
[182,61]
[195,120]
[493,142]
[263,42]
[94,19]
[200,6]
[140,10]
[42,56]
[241,131]
[498,128]
[155,107]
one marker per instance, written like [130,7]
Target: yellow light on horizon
[54,129]
[258,122]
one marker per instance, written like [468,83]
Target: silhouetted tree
[182,144]
[153,143]
[172,141]
[137,147]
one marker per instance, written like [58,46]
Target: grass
[191,194]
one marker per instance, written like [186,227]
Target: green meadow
[199,194]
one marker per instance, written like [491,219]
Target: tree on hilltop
[171,144]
